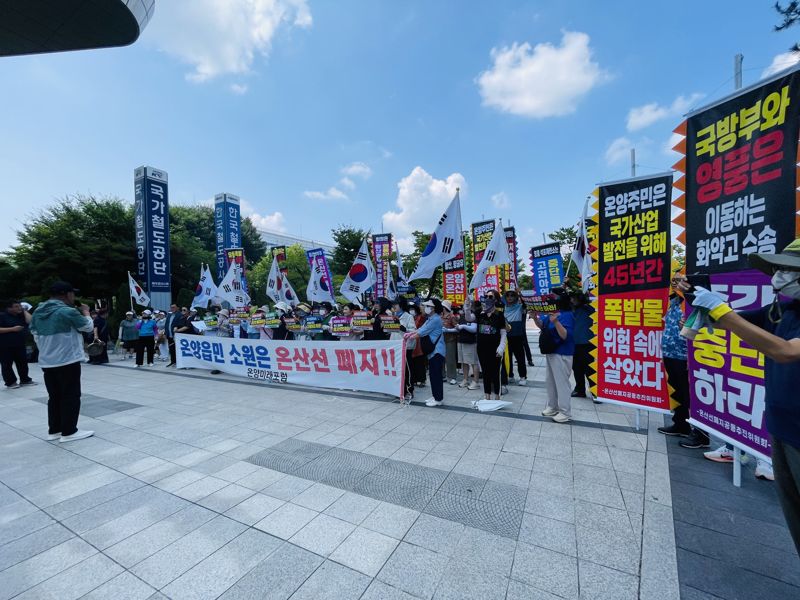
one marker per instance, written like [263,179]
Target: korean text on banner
[227,226]
[375,366]
[382,252]
[547,266]
[481,236]
[151,214]
[509,271]
[741,176]
[454,280]
[634,257]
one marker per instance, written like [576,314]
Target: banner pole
[129,292]
[737,467]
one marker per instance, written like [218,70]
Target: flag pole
[129,292]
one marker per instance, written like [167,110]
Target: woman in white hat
[148,331]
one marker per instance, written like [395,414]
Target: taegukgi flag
[581,254]
[445,243]
[137,292]
[496,254]
[361,275]
[231,288]
[206,289]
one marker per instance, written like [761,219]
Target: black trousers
[436,370]
[678,377]
[516,348]
[171,346]
[527,346]
[490,368]
[582,366]
[148,343]
[14,356]
[64,398]
[786,467]
[409,375]
[418,366]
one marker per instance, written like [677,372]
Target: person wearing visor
[491,344]
[775,331]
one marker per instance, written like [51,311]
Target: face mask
[511,300]
[786,282]
[487,304]
[428,310]
[412,312]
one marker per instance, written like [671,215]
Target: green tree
[566,237]
[347,240]
[791,15]
[298,274]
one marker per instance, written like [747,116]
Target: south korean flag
[445,243]
[361,275]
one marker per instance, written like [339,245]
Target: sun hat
[448,305]
[768,263]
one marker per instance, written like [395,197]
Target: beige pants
[559,390]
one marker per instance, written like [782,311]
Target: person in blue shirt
[433,328]
[582,360]
[560,327]
[775,331]
[148,331]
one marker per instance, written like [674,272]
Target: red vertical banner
[454,280]
[741,180]
[633,275]
[510,271]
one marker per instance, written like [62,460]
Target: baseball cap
[62,287]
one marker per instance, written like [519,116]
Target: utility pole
[633,162]
[737,71]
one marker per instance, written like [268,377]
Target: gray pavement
[200,486]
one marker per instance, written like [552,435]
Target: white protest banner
[373,366]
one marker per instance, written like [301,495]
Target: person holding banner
[774,331]
[431,335]
[559,327]
[491,344]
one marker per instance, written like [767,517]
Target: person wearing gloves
[433,329]
[450,328]
[467,348]
[559,326]
[58,329]
[491,344]
[400,311]
[148,332]
[774,331]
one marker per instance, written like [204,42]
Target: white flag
[445,242]
[137,292]
[231,288]
[317,289]
[275,282]
[581,254]
[401,274]
[496,253]
[206,289]
[361,275]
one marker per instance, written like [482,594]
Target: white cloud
[220,37]
[273,222]
[421,200]
[670,144]
[238,88]
[332,193]
[500,200]
[543,81]
[781,62]
[347,182]
[618,150]
[357,169]
[640,117]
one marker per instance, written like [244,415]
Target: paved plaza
[204,486]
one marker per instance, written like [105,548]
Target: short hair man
[58,329]
[14,321]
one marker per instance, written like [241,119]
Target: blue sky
[325,112]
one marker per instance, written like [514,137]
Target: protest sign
[481,236]
[361,320]
[313,324]
[633,274]
[390,323]
[547,266]
[375,366]
[539,303]
[340,326]
[454,280]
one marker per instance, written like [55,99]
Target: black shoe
[675,430]
[171,365]
[29,382]
[697,439]
[578,395]
[530,364]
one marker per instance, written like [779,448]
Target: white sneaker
[409,397]
[137,366]
[81,434]
[503,390]
[453,382]
[549,412]
[433,402]
[722,454]
[52,437]
[561,418]
[523,382]
[462,384]
[764,470]
[472,386]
